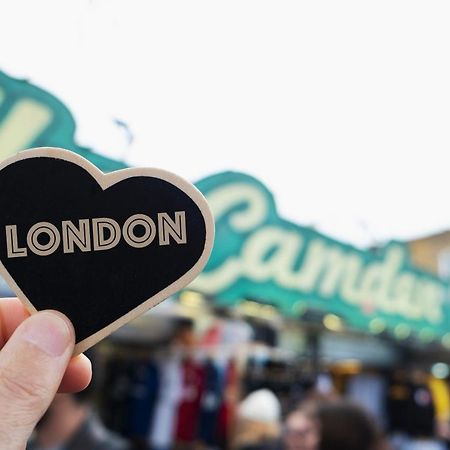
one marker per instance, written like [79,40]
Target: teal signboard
[31,117]
[259,255]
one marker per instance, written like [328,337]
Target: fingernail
[49,332]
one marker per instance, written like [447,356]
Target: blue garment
[143,394]
[210,405]
[420,444]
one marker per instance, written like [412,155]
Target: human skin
[35,362]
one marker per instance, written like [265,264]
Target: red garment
[228,408]
[213,335]
[189,408]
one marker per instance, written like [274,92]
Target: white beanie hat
[261,405]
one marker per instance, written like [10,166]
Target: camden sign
[31,117]
[258,255]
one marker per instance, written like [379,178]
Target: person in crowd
[345,426]
[331,425]
[301,430]
[71,424]
[258,422]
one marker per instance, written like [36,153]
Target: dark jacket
[92,435]
[274,444]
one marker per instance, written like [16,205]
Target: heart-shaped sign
[101,248]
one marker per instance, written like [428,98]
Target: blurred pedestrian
[71,424]
[258,422]
[301,430]
[345,426]
[331,425]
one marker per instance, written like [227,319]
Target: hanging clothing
[264,333]
[397,403]
[210,404]
[143,395]
[114,407]
[369,391]
[441,398]
[236,332]
[227,410]
[213,334]
[165,414]
[189,407]
[421,412]
[422,444]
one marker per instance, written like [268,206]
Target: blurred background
[318,132]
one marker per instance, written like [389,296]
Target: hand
[35,362]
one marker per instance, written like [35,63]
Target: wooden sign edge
[106,180]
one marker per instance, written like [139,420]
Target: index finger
[12,314]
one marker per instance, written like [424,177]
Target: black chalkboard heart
[101,248]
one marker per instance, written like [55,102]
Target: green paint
[259,255]
[31,117]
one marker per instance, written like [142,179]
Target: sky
[341,108]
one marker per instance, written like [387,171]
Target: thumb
[32,364]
